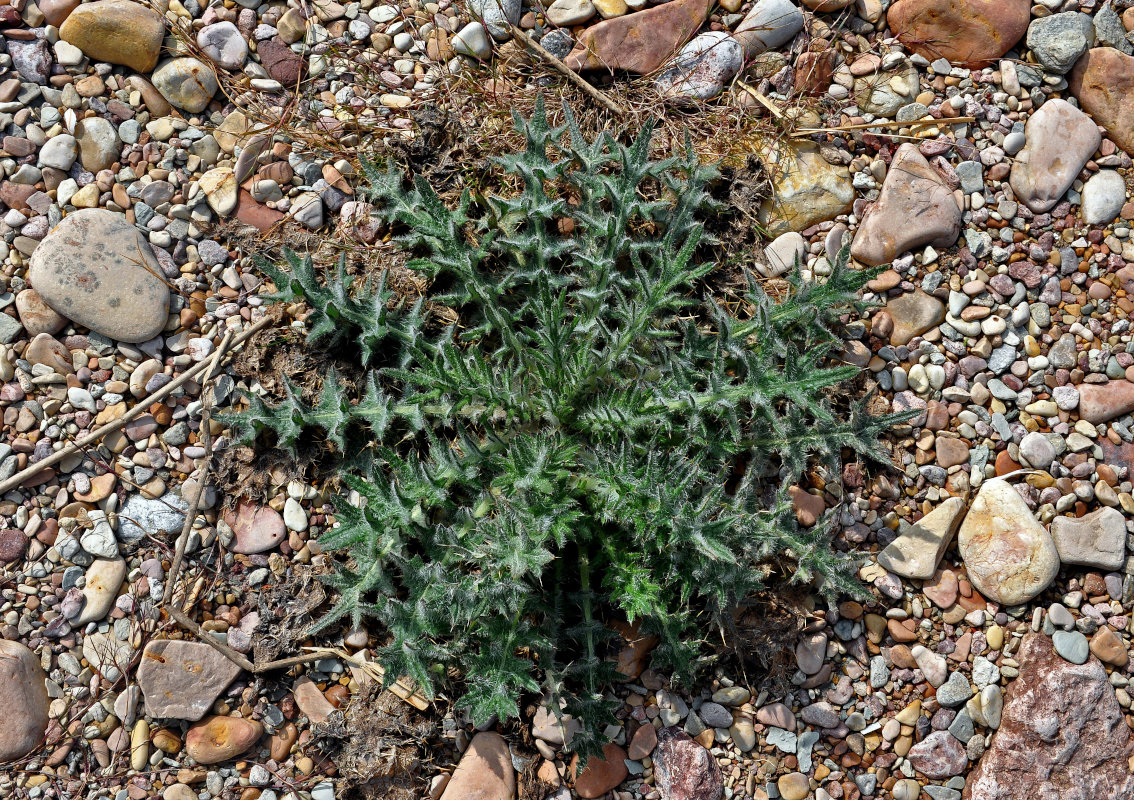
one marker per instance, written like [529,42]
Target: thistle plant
[594,438]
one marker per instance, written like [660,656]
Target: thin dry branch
[212,641]
[139,408]
[203,477]
[567,72]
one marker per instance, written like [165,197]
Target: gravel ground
[980,151]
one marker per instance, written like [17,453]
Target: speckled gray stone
[97,269]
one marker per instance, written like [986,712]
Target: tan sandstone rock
[116,31]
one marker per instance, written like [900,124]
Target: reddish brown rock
[218,739]
[644,741]
[15,195]
[257,215]
[256,528]
[1103,80]
[813,71]
[1100,402]
[639,42]
[683,769]
[485,771]
[1062,734]
[969,32]
[23,696]
[281,62]
[601,774]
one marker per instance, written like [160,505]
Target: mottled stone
[939,755]
[97,269]
[1062,734]
[806,189]
[683,769]
[1009,555]
[181,679]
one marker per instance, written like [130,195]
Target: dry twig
[567,72]
[139,408]
[203,477]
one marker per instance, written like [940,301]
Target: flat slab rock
[1062,735]
[97,269]
[180,680]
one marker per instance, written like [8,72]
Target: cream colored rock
[221,190]
[104,579]
[1009,555]
[918,550]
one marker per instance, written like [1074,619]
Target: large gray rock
[181,679]
[23,696]
[97,269]
[768,25]
[1058,40]
[1062,734]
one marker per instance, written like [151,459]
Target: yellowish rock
[140,745]
[609,9]
[1010,557]
[806,190]
[117,32]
